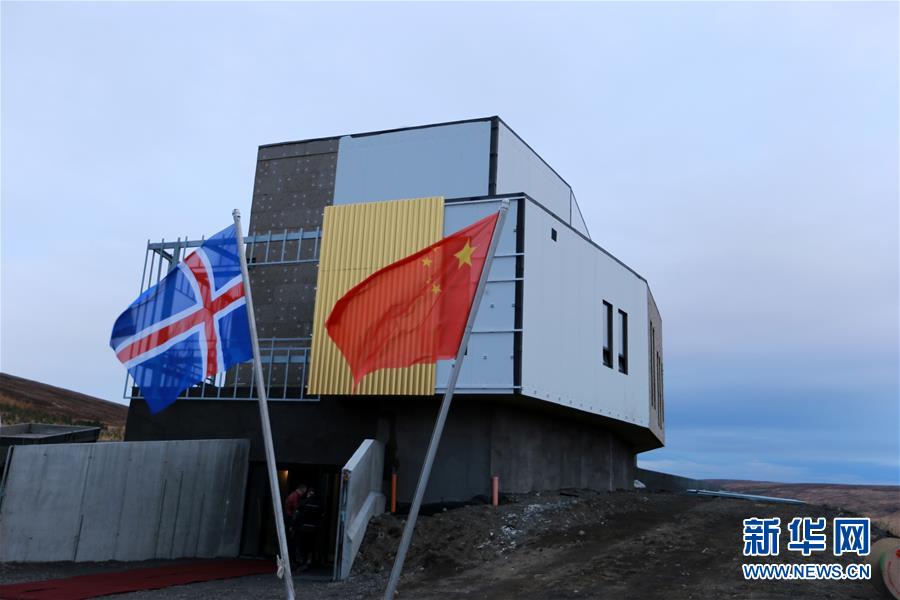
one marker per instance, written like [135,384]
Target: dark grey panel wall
[294,183]
[325,433]
[284,299]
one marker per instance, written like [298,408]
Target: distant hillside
[26,401]
[879,502]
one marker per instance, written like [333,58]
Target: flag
[190,326]
[414,310]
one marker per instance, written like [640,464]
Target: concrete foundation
[528,447]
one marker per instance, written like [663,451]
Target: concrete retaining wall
[361,499]
[123,501]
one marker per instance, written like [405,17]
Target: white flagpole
[284,561]
[442,415]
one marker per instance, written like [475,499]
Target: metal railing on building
[285,360]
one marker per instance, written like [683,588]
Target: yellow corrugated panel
[357,240]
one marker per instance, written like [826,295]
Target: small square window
[552,234]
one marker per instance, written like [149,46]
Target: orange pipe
[393,493]
[495,490]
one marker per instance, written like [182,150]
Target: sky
[743,157]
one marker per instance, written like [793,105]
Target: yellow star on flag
[426,261]
[465,255]
[435,289]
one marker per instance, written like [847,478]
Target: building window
[653,369]
[623,335]
[660,399]
[552,234]
[608,334]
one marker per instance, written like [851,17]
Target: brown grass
[881,503]
[26,401]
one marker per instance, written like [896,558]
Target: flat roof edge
[381,131]
[555,216]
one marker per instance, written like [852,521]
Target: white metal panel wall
[578,219]
[520,169]
[566,282]
[452,161]
[488,367]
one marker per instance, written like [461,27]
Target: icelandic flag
[190,326]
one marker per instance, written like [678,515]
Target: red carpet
[119,582]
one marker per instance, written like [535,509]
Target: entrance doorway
[259,536]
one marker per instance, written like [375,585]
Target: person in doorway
[291,509]
[307,523]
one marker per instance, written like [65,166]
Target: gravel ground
[574,544]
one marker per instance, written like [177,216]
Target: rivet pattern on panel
[293,185]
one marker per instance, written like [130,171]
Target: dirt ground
[595,545]
[571,544]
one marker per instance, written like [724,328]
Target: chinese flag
[414,310]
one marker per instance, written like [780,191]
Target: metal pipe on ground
[394,493]
[739,496]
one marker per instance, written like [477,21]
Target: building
[563,381]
